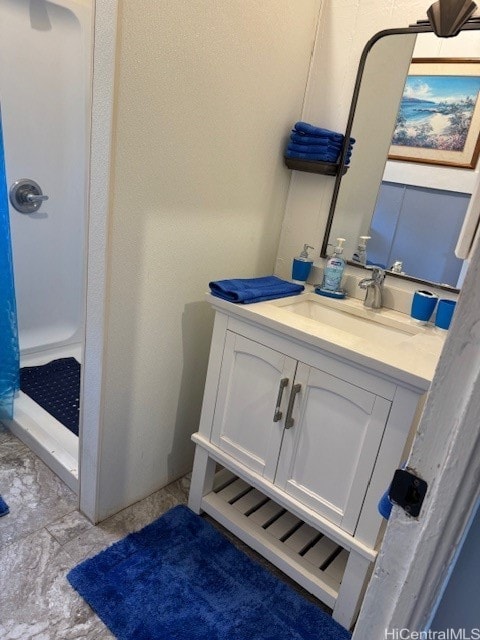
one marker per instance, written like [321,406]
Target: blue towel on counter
[311,130]
[247,290]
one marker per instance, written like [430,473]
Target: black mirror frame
[421,27]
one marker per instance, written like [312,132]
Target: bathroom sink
[384,340]
[383,327]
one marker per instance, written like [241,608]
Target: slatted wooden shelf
[310,558]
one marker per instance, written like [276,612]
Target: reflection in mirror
[412,212]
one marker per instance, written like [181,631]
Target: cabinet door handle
[278,414]
[289,421]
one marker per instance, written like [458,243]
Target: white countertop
[411,357]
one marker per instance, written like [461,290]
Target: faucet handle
[378,275]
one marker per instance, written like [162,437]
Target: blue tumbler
[423,305]
[444,313]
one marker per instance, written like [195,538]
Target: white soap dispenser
[360,254]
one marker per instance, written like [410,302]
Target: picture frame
[438,121]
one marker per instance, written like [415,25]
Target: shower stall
[45,78]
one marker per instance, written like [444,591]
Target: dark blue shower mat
[56,388]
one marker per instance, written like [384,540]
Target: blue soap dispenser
[301,265]
[333,273]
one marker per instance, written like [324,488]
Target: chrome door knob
[26,195]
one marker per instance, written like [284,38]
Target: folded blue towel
[297,138]
[301,138]
[316,157]
[310,130]
[246,290]
[315,149]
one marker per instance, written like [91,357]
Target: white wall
[206,95]
[345,29]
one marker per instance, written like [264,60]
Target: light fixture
[447,17]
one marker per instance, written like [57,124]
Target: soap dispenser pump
[301,265]
[360,254]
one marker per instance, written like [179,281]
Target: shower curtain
[9,349]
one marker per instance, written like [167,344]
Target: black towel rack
[313,166]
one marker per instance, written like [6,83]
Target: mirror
[413,211]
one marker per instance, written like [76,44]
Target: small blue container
[423,305]
[301,269]
[302,265]
[445,313]
[385,505]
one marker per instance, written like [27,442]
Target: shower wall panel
[44,69]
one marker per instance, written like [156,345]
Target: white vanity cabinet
[250,403]
[295,447]
[314,435]
[328,454]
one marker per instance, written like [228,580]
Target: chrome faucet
[373,286]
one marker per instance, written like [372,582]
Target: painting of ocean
[436,111]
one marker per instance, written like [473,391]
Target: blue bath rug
[4,509]
[180,579]
[56,388]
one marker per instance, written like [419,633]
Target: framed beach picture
[438,121]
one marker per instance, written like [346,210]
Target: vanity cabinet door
[255,383]
[328,455]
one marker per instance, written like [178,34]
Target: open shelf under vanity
[300,551]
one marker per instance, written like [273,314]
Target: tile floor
[44,536]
